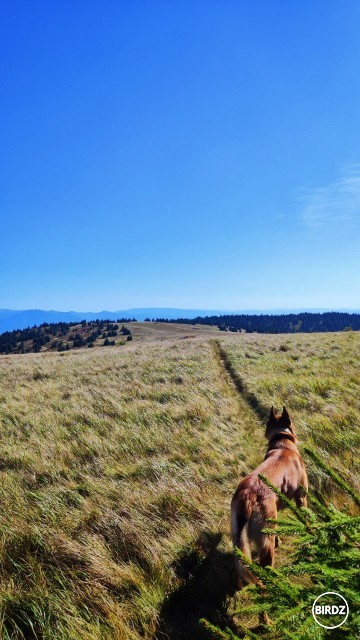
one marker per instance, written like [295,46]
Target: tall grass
[117,468]
[112,465]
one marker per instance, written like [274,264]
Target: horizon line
[261,310]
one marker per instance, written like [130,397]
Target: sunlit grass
[111,464]
[117,469]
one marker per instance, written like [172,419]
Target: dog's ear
[285,418]
[271,418]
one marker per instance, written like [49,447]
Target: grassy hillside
[117,469]
[65,336]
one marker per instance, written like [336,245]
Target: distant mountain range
[11,319]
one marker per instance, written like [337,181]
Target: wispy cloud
[337,202]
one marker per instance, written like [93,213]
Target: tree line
[306,322]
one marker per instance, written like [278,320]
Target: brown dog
[253,502]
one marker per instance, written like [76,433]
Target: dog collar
[284,433]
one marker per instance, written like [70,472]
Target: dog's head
[280,424]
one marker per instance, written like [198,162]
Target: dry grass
[162,331]
[117,467]
[113,465]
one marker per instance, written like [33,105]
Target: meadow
[117,469]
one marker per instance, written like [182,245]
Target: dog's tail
[241,510]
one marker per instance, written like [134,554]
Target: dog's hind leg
[239,533]
[301,497]
[266,558]
[267,551]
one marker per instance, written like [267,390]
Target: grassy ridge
[117,468]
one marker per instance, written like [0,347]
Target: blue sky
[191,154]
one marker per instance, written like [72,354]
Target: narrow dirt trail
[238,383]
[251,413]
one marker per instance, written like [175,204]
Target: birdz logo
[330,610]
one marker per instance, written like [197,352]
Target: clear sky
[200,154]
